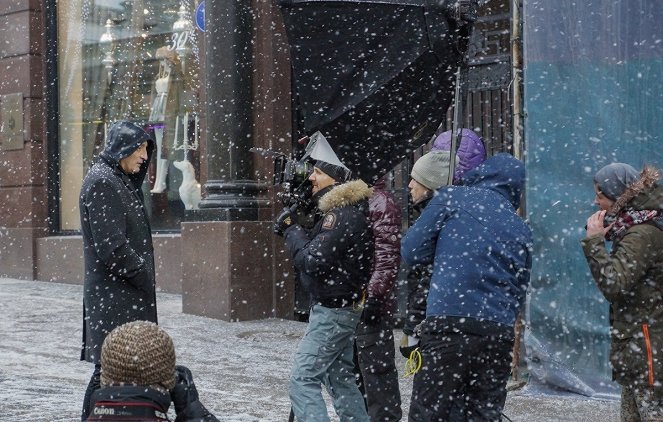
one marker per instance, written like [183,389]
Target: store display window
[135,60]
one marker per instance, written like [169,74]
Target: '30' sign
[178,40]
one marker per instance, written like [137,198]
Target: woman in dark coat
[117,242]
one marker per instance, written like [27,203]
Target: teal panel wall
[593,95]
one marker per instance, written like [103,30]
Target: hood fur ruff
[648,177]
[348,193]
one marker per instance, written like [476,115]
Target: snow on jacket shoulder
[334,258]
[119,282]
[479,247]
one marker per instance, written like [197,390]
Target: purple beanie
[470,153]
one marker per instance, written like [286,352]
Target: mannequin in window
[168,60]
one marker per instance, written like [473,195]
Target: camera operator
[139,379]
[334,262]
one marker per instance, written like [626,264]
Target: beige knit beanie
[139,353]
[432,169]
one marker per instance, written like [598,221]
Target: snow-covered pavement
[240,368]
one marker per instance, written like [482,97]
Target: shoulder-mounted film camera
[292,174]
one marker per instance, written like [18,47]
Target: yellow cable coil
[413,364]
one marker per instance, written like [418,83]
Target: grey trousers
[324,357]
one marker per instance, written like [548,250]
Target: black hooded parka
[117,242]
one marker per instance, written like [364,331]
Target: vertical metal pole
[517,70]
[455,125]
[517,111]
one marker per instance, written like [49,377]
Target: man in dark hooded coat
[117,243]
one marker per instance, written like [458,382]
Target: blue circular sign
[200,16]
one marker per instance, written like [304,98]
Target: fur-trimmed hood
[348,193]
[643,194]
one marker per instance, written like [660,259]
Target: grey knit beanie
[338,173]
[432,169]
[614,178]
[138,353]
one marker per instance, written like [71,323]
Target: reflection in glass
[135,60]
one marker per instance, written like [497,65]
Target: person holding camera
[139,379]
[630,276]
[333,259]
[479,249]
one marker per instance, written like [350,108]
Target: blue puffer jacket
[479,247]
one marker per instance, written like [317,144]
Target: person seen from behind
[375,332]
[470,153]
[630,276]
[139,379]
[480,252]
[119,280]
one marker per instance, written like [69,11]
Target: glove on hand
[372,314]
[184,393]
[285,219]
[408,345]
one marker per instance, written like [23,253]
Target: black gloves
[408,345]
[185,398]
[372,312]
[285,219]
[185,391]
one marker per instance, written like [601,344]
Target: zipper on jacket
[650,361]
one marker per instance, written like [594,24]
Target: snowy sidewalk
[240,368]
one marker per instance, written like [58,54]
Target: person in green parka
[630,276]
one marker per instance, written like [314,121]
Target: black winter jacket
[129,402]
[141,403]
[119,282]
[334,258]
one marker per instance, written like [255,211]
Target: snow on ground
[240,368]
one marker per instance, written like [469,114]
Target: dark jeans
[465,368]
[93,385]
[377,365]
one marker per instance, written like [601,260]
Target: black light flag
[374,77]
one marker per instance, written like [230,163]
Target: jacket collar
[348,193]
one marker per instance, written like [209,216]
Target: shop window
[129,60]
